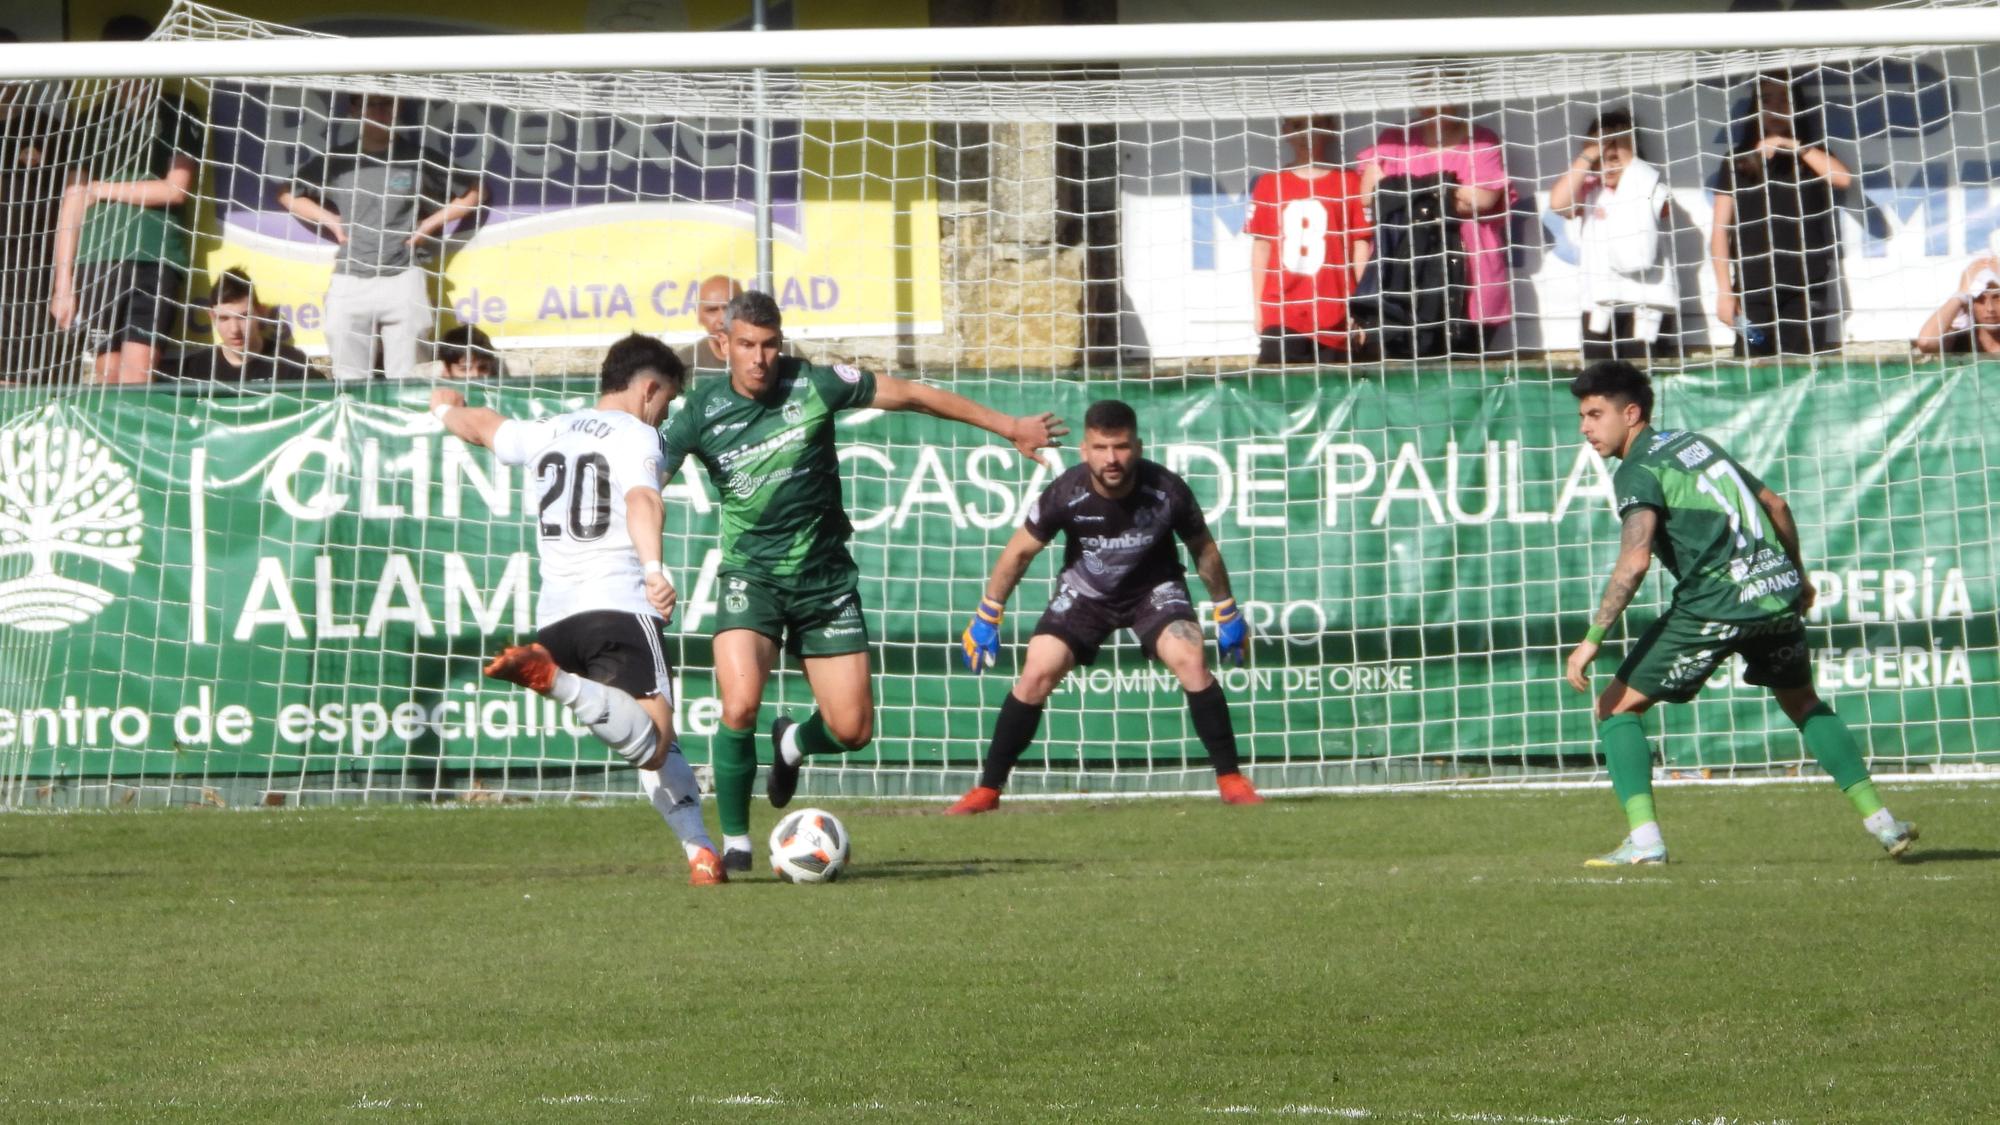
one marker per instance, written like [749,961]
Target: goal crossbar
[1293,41]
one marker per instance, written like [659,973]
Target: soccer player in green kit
[1740,587]
[765,434]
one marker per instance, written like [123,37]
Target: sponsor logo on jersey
[1128,541]
[848,372]
[69,498]
[1078,499]
[715,406]
[1168,593]
[793,436]
[1088,519]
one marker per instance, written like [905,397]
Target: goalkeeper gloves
[1232,633]
[982,637]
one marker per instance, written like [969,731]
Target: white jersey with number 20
[580,466]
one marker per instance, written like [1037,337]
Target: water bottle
[1752,335]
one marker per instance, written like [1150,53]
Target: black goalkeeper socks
[1210,710]
[1013,732]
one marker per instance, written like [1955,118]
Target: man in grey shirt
[379,200]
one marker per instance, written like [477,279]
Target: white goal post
[280,589]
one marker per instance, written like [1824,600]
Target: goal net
[240,562]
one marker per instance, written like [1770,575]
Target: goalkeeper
[1120,513]
[1740,587]
[765,435]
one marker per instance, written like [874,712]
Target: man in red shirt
[1313,237]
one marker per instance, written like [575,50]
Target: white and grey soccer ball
[809,846]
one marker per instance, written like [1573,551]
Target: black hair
[127,28]
[234,285]
[1617,381]
[637,353]
[1110,416]
[1613,124]
[755,309]
[464,344]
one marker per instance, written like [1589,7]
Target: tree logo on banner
[62,496]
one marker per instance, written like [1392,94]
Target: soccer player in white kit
[594,489]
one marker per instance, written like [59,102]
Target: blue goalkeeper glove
[982,637]
[1232,633]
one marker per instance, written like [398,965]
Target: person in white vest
[1620,209]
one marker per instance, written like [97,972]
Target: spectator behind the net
[122,242]
[1312,239]
[1775,245]
[711,300]
[1968,323]
[1441,139]
[1621,208]
[250,345]
[27,214]
[379,197]
[465,352]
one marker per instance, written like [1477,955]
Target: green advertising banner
[285,583]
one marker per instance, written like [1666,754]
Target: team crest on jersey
[793,413]
[848,372]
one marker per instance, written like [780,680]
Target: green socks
[814,738]
[733,757]
[1623,743]
[1832,745]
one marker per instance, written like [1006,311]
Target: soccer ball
[809,846]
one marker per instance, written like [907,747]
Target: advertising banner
[285,583]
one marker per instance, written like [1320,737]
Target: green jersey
[124,232]
[773,460]
[1714,535]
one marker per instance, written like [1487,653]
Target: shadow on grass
[1951,855]
[918,869]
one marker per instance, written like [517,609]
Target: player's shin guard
[1209,709]
[676,795]
[1630,761]
[1013,732]
[611,715]
[733,757]
[1832,745]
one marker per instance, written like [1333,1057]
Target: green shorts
[1678,654]
[813,613]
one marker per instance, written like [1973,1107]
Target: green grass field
[1391,958]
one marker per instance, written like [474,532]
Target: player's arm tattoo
[1208,564]
[1635,555]
[1783,526]
[1184,630]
